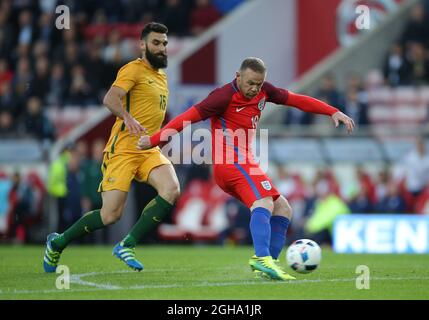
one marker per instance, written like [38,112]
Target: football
[304,255]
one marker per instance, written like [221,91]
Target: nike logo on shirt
[239,109]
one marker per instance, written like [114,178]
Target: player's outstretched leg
[151,216]
[164,180]
[56,243]
[261,233]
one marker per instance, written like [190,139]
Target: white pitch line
[77,280]
[101,287]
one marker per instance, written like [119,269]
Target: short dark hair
[254,64]
[153,27]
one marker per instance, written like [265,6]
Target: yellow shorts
[120,169]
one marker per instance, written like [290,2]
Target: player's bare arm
[113,101]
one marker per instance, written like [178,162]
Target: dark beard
[157,61]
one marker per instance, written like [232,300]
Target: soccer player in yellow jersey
[138,98]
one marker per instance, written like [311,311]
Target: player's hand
[144,143]
[338,117]
[133,126]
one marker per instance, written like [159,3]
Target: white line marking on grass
[102,287]
[76,278]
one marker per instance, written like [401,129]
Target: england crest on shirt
[261,104]
[266,185]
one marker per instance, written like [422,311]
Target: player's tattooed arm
[113,101]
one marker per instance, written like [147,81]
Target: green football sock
[90,222]
[151,216]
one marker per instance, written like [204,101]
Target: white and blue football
[304,255]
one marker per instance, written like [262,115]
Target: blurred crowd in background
[406,64]
[41,67]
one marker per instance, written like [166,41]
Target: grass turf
[204,272]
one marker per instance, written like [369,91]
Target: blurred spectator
[5,187]
[23,207]
[392,201]
[354,83]
[57,86]
[57,181]
[21,82]
[46,27]
[175,16]
[81,92]
[71,57]
[72,201]
[7,100]
[395,69]
[40,50]
[113,9]
[382,181]
[81,148]
[366,183]
[203,16]
[7,30]
[117,50]
[294,116]
[7,125]
[417,67]
[290,185]
[356,109]
[237,231]
[35,123]
[417,27]
[6,73]
[329,93]
[96,70]
[293,188]
[360,202]
[26,28]
[374,80]
[40,83]
[323,210]
[415,168]
[92,176]
[326,176]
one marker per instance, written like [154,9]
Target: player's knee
[283,208]
[170,192]
[287,209]
[266,203]
[110,216]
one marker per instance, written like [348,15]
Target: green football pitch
[205,272]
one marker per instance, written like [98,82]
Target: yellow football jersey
[146,101]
